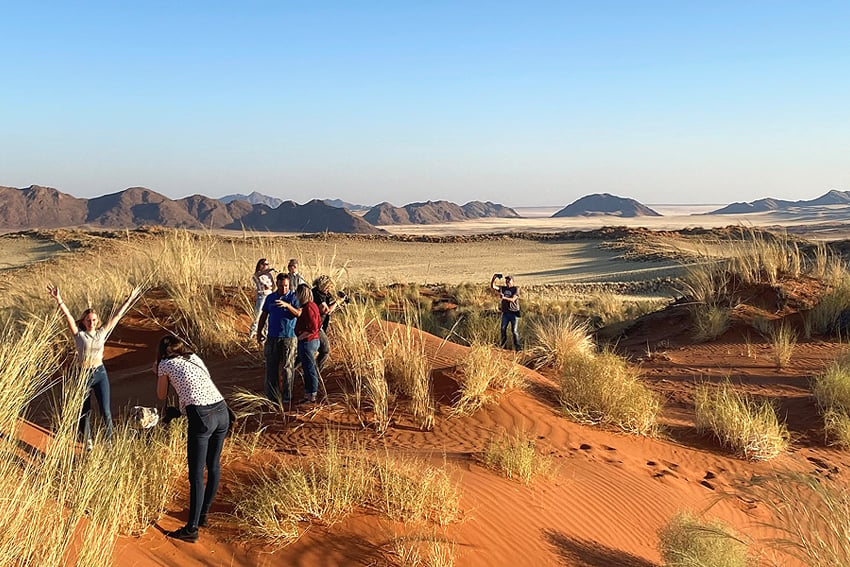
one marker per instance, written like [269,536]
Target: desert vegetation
[832,392]
[382,388]
[749,428]
[687,541]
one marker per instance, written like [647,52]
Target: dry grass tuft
[832,392]
[749,429]
[783,339]
[486,371]
[815,532]
[604,388]
[278,502]
[516,457]
[408,368]
[686,541]
[554,340]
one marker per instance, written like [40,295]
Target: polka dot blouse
[191,379]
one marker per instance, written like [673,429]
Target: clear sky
[522,103]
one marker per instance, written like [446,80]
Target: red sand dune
[611,494]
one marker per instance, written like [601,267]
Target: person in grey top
[90,338]
[295,279]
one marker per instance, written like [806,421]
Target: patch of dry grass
[686,541]
[485,372]
[604,388]
[279,501]
[516,457]
[750,429]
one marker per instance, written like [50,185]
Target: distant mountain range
[605,204]
[44,207]
[257,198]
[833,197]
[434,212]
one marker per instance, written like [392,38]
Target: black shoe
[202,521]
[184,534]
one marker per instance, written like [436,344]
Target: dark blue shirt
[281,320]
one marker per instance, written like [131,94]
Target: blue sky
[534,103]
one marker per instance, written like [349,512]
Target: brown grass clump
[280,501]
[554,340]
[686,541]
[485,371]
[832,392]
[516,457]
[408,368]
[750,429]
[604,388]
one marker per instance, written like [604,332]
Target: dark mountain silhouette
[315,216]
[340,204]
[38,206]
[43,207]
[433,212]
[255,198]
[833,197]
[605,204]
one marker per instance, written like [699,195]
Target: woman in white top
[209,421]
[90,339]
[263,279]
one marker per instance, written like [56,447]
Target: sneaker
[202,521]
[184,534]
[89,445]
[309,399]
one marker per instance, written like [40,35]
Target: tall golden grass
[831,389]
[516,457]
[603,388]
[749,428]
[687,541]
[811,514]
[485,372]
[279,501]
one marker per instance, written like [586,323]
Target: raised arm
[54,293]
[134,294]
[493,284]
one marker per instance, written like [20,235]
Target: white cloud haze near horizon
[528,105]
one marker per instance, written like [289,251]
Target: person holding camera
[509,295]
[327,302]
[307,329]
[209,420]
[281,309]
[264,284]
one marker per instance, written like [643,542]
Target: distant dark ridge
[435,212]
[340,204]
[833,197]
[605,204]
[43,207]
[255,198]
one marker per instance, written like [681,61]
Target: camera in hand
[498,276]
[342,297]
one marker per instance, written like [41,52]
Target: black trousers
[208,427]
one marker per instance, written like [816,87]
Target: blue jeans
[307,356]
[280,351]
[509,319]
[208,427]
[97,384]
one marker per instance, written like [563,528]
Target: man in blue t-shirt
[281,309]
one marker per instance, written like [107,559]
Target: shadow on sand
[583,553]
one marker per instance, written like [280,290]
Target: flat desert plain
[608,492]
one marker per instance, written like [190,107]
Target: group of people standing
[290,322]
[296,318]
